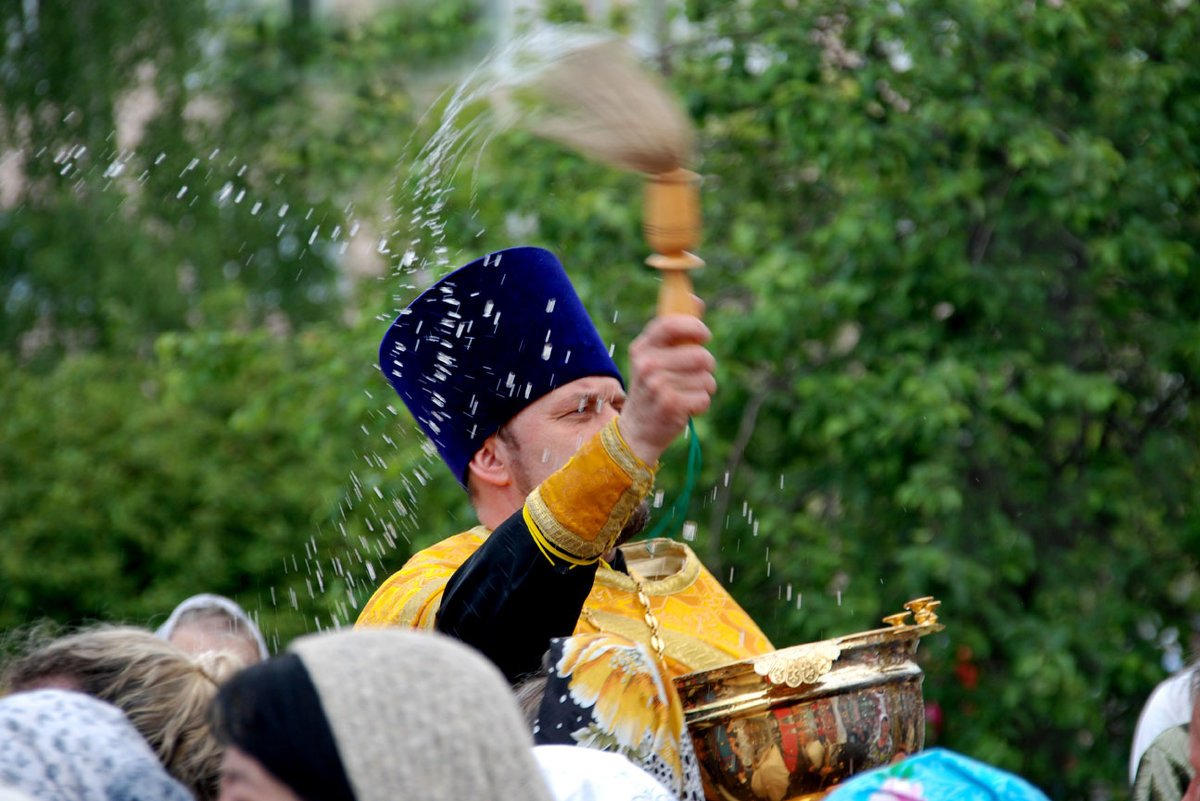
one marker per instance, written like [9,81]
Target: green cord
[679,508]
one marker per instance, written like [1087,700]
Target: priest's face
[545,434]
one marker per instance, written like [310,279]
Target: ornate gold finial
[923,610]
[802,664]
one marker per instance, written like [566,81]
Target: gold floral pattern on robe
[628,696]
[609,693]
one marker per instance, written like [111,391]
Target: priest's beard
[636,523]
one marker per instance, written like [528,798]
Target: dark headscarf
[260,711]
[380,714]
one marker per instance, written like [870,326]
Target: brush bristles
[599,100]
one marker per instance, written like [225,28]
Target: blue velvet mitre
[486,341]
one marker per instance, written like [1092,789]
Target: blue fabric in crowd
[936,775]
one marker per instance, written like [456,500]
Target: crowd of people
[530,657]
[197,710]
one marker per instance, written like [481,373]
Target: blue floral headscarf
[66,746]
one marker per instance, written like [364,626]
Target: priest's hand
[671,379]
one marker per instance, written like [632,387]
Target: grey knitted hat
[420,716]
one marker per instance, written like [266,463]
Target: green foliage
[106,246]
[66,63]
[340,118]
[950,286]
[964,344]
[134,483]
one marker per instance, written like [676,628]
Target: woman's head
[164,693]
[407,713]
[278,745]
[72,747]
[210,622]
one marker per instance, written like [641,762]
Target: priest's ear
[490,466]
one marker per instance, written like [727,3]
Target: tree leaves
[948,246]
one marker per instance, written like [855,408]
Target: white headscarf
[66,746]
[1169,705]
[218,602]
[575,773]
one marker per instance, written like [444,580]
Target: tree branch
[716,519]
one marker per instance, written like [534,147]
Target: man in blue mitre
[503,369]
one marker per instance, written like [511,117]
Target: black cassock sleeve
[509,599]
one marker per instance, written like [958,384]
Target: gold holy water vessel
[788,725]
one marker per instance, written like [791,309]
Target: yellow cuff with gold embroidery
[579,511]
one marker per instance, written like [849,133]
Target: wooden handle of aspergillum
[671,222]
[675,294]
